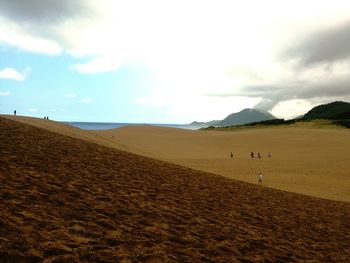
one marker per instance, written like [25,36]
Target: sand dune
[57,127]
[312,161]
[67,200]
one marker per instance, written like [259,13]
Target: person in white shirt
[260,177]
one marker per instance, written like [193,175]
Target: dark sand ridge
[67,200]
[312,161]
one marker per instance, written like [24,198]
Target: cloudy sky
[171,61]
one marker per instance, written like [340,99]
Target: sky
[171,61]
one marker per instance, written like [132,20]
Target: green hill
[337,110]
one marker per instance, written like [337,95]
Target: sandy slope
[304,160]
[311,161]
[57,127]
[67,200]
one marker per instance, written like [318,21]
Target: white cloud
[71,95]
[291,108]
[33,110]
[97,65]
[194,48]
[5,93]
[10,73]
[209,108]
[194,107]
[25,38]
[87,100]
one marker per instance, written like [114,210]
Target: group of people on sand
[45,117]
[259,155]
[252,155]
[260,176]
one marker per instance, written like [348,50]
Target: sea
[111,125]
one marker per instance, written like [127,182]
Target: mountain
[335,111]
[245,116]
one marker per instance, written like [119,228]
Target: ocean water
[110,125]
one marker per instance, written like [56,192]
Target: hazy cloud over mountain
[315,92]
[318,69]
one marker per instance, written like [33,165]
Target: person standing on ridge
[14,113]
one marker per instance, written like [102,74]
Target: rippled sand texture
[68,200]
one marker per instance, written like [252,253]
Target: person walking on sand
[269,155]
[259,156]
[252,154]
[260,178]
[231,155]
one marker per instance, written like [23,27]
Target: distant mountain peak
[245,116]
